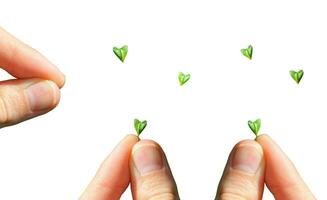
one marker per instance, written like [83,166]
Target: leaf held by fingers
[139,126]
[297,75]
[121,53]
[183,78]
[255,126]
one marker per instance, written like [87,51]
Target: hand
[36,89]
[145,164]
[253,163]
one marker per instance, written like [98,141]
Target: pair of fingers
[36,89]
[144,165]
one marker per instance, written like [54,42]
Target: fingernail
[41,95]
[147,158]
[246,159]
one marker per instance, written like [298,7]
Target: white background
[54,156]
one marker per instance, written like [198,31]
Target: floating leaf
[183,78]
[121,53]
[297,76]
[247,52]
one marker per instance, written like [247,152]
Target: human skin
[36,89]
[143,164]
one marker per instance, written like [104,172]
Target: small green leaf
[121,53]
[247,52]
[183,78]
[139,126]
[255,126]
[297,76]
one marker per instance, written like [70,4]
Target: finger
[281,177]
[151,177]
[22,61]
[243,177]
[26,98]
[113,176]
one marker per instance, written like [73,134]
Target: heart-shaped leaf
[121,53]
[248,52]
[139,126]
[183,78]
[297,76]
[255,126]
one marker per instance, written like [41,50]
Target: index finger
[113,176]
[282,178]
[21,61]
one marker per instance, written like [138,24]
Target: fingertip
[267,143]
[127,143]
[151,177]
[35,64]
[247,157]
[251,144]
[244,172]
[55,91]
[144,144]
[123,149]
[42,96]
[62,80]
[131,137]
[56,76]
[263,137]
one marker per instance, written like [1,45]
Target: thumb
[243,177]
[26,98]
[151,177]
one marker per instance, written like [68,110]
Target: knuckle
[108,189]
[12,106]
[164,196]
[231,196]
[239,188]
[3,112]
[157,187]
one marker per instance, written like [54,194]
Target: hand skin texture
[36,89]
[144,165]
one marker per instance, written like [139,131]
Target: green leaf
[255,126]
[297,75]
[121,53]
[139,126]
[247,52]
[183,78]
